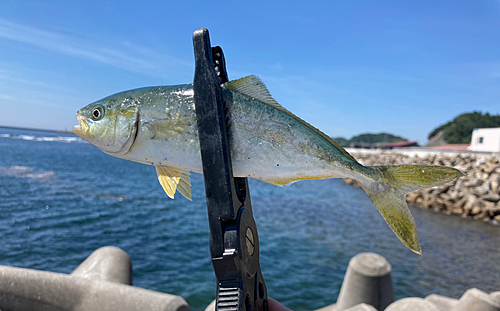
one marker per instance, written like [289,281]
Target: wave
[23,171]
[63,139]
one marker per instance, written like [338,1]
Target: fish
[158,126]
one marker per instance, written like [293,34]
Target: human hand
[276,306]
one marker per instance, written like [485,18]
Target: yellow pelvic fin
[172,179]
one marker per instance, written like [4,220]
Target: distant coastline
[35,129]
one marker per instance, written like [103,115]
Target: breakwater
[475,195]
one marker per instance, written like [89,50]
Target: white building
[486,140]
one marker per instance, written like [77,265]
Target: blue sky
[347,67]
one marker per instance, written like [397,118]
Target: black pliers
[234,244]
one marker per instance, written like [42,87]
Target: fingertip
[276,306]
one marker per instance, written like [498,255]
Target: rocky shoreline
[475,195]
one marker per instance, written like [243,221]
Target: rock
[489,168]
[457,211]
[491,197]
[428,202]
[445,196]
[487,184]
[480,162]
[481,215]
[351,181]
[479,191]
[412,196]
[445,187]
[494,177]
[476,194]
[347,181]
[461,202]
[475,210]
[473,183]
[493,211]
[494,185]
[471,200]
[453,194]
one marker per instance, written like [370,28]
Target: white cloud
[125,55]
[7,97]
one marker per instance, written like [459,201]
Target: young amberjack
[157,126]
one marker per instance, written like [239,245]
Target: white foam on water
[62,139]
[23,171]
[25,137]
[17,168]
[40,175]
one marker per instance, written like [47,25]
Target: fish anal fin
[174,179]
[280,182]
[287,181]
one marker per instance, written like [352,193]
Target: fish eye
[97,113]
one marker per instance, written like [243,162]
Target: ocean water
[62,198]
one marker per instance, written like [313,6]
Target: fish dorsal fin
[172,179]
[253,87]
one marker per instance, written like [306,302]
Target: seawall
[475,195]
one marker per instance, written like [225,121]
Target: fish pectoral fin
[166,128]
[172,179]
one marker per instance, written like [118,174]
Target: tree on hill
[342,141]
[369,138]
[376,138]
[459,130]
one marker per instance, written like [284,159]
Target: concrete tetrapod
[367,280]
[495,296]
[472,300]
[362,307]
[95,285]
[108,264]
[477,300]
[442,302]
[412,304]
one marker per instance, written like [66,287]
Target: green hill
[369,138]
[342,141]
[459,130]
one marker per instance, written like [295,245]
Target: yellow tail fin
[388,195]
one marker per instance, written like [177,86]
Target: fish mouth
[82,128]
